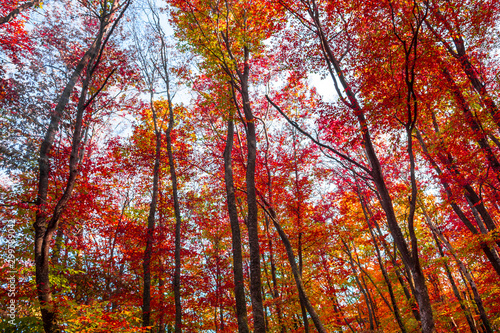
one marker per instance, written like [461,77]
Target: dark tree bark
[253,228]
[239,82]
[274,289]
[298,211]
[146,264]
[477,298]
[239,285]
[302,305]
[395,308]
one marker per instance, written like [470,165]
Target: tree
[47,222]
[309,13]
[227,53]
[366,202]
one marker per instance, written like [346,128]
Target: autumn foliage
[270,166]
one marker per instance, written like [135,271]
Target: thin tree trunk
[463,269]
[302,305]
[299,227]
[274,290]
[253,228]
[161,273]
[295,272]
[177,211]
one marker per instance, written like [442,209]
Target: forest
[250,166]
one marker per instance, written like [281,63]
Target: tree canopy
[237,166]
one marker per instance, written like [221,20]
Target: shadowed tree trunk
[253,228]
[239,82]
[239,285]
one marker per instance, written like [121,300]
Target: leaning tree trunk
[146,264]
[46,222]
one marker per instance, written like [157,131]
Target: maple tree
[273,166]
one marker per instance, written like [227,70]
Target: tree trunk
[296,274]
[274,288]
[46,223]
[146,264]
[239,284]
[464,270]
[177,211]
[302,305]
